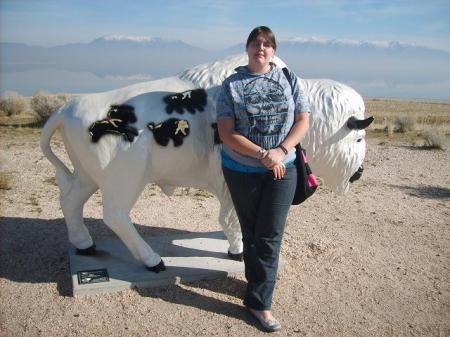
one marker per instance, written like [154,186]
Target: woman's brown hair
[266,32]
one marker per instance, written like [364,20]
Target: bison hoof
[236,257]
[87,251]
[159,267]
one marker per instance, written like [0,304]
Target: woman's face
[260,52]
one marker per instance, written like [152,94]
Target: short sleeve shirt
[263,107]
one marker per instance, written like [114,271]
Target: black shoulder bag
[306,181]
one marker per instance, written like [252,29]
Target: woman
[260,118]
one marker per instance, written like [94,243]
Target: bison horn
[354,123]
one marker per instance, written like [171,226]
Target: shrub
[12,103]
[434,139]
[44,104]
[404,123]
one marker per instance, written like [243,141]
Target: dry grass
[405,121]
[33,200]
[21,111]
[424,113]
[193,192]
[434,139]
[51,181]
[12,103]
[5,181]
[45,104]
[26,119]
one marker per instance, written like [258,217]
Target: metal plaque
[92,276]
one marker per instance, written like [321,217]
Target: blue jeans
[262,205]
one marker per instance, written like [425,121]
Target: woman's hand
[273,157]
[279,171]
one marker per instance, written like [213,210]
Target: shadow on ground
[428,192]
[36,250]
[229,286]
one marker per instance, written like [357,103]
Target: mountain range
[105,56]
[364,64]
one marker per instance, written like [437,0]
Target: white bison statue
[121,166]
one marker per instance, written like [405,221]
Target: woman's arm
[298,131]
[243,145]
[235,140]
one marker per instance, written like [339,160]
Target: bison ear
[359,124]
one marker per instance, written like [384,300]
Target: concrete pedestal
[187,257]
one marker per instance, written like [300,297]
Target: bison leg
[72,204]
[230,225]
[228,219]
[117,218]
[119,196]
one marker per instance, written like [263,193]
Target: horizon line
[147,38]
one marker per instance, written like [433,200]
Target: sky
[220,24]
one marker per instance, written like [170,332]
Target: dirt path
[375,262]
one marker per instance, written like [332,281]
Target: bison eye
[360,139]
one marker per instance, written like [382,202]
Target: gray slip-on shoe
[270,325]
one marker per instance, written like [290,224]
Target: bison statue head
[335,141]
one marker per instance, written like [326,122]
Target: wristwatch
[261,152]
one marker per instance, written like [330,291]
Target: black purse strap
[289,78]
[286,73]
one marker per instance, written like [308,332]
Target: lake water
[29,82]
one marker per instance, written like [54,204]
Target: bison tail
[63,174]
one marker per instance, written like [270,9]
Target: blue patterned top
[263,107]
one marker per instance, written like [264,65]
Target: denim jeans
[262,205]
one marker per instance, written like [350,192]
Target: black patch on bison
[190,100]
[172,128]
[117,123]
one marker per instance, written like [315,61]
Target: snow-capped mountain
[137,39]
[313,44]
[146,41]
[376,68]
[110,55]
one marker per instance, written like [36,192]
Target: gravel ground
[375,262]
